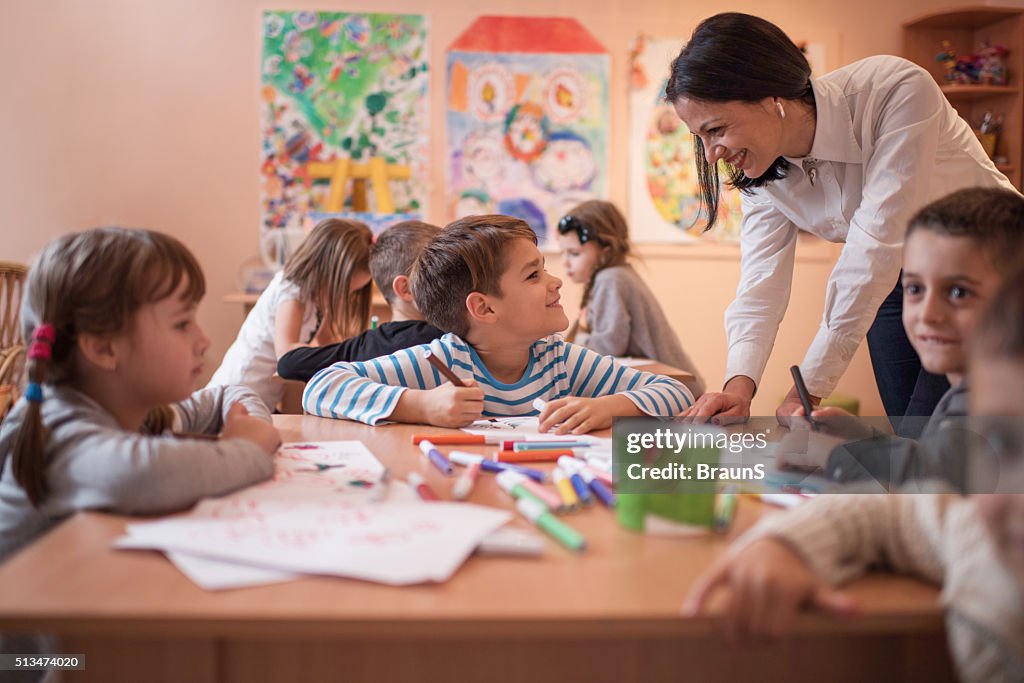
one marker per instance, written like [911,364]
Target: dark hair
[737,57]
[323,267]
[1000,332]
[92,282]
[395,252]
[603,223]
[469,255]
[991,217]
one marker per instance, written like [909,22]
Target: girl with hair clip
[321,297]
[114,356]
[619,315]
[848,156]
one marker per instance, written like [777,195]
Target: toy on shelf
[987,67]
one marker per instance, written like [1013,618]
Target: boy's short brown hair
[469,255]
[991,217]
[395,252]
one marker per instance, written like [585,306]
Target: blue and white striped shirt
[369,391]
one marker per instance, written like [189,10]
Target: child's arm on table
[793,560]
[402,387]
[601,389]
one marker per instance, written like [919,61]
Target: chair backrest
[12,282]
[12,349]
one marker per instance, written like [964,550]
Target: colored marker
[435,456]
[420,486]
[463,458]
[571,467]
[550,498]
[512,484]
[570,501]
[442,368]
[548,445]
[603,476]
[532,456]
[725,509]
[464,484]
[805,398]
[539,515]
[374,321]
[467,439]
[603,493]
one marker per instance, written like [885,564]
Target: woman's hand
[792,407]
[730,405]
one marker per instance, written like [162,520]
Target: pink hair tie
[39,351]
[44,333]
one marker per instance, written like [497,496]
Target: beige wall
[145,113]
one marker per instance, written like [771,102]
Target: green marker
[511,483]
[537,512]
[374,321]
[726,509]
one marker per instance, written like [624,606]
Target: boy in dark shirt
[391,260]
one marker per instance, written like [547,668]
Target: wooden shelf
[976,92]
[970,18]
[966,29]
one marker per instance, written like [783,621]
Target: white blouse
[251,360]
[886,143]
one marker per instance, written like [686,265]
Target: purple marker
[435,456]
[488,465]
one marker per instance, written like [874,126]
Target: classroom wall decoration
[336,86]
[527,119]
[664,202]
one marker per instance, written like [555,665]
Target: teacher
[848,157]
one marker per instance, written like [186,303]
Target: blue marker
[572,466]
[488,465]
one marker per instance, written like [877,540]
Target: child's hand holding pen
[240,425]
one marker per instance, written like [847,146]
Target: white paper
[529,427]
[392,543]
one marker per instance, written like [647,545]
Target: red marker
[422,490]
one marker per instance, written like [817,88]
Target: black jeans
[906,388]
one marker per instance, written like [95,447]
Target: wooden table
[608,615]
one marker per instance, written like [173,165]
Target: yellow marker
[570,501]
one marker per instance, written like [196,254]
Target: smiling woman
[849,156]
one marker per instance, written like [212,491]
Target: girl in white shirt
[321,297]
[848,157]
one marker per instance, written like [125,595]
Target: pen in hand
[805,398]
[443,369]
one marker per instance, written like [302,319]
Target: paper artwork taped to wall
[664,200]
[340,85]
[527,119]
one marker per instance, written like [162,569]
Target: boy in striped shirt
[482,281]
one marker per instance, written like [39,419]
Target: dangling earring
[778,108]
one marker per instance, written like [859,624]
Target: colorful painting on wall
[664,202]
[527,119]
[342,86]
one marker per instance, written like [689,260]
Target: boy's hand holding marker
[240,425]
[456,403]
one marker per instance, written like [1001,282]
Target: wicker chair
[12,347]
